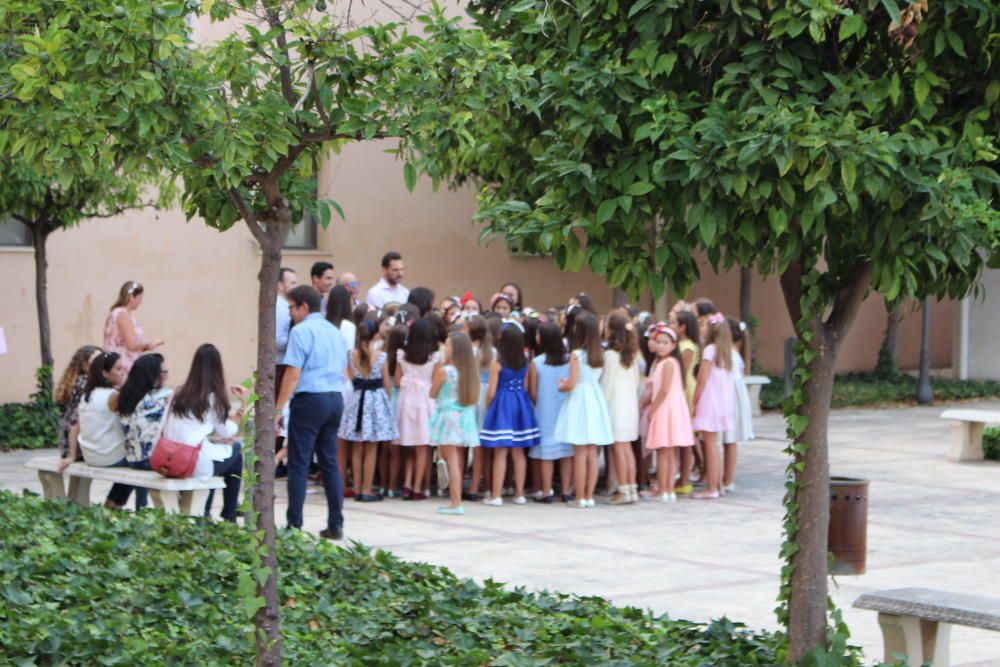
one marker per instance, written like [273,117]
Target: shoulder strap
[166,416]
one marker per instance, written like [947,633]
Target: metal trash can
[848,531]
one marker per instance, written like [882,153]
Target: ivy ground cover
[89,586]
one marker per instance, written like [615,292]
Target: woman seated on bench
[100,433]
[200,409]
[142,404]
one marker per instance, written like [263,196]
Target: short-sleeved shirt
[382,293]
[317,348]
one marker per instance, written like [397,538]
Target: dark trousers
[232,471]
[119,493]
[141,494]
[312,427]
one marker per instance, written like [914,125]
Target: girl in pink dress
[414,406]
[713,398]
[669,416]
[122,333]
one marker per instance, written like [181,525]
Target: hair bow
[716,318]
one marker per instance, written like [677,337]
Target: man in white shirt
[390,288]
[287,279]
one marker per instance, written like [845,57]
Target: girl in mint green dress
[453,426]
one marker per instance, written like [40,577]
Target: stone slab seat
[917,622]
[753,384]
[171,495]
[967,432]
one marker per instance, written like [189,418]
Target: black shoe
[365,498]
[547,500]
[471,497]
[566,499]
[332,534]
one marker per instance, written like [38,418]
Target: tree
[842,146]
[289,84]
[84,95]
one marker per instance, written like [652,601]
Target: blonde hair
[720,335]
[463,358]
[128,290]
[78,366]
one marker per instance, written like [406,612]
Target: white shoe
[590,503]
[537,495]
[520,500]
[729,488]
[493,502]
[579,504]
[668,498]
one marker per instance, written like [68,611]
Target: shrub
[991,444]
[868,389]
[97,587]
[31,425]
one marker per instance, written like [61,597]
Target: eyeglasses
[354,284]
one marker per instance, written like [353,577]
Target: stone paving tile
[931,523]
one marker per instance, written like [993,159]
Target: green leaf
[893,9]
[851,25]
[639,188]
[606,210]
[410,176]
[848,174]
[956,43]
[920,90]
[787,192]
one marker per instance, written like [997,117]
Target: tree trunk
[746,314]
[39,235]
[892,334]
[267,618]
[619,298]
[807,600]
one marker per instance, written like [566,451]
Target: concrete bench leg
[919,640]
[52,484]
[180,502]
[966,441]
[79,490]
[754,392]
[193,502]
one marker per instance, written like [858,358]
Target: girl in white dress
[620,383]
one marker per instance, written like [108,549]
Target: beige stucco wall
[983,325]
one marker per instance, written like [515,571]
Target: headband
[133,288]
[512,323]
[498,296]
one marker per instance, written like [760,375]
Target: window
[302,234]
[13,233]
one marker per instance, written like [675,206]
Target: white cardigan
[194,431]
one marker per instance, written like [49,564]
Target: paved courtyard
[931,523]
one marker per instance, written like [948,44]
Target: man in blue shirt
[315,360]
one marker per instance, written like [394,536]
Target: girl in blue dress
[453,426]
[551,366]
[510,424]
[584,421]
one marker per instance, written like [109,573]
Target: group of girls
[507,393]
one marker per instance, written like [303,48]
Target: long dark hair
[510,347]
[338,305]
[359,313]
[586,303]
[587,337]
[688,320]
[421,343]
[440,328]
[205,379]
[620,339]
[395,341]
[479,332]
[531,335]
[142,379]
[101,364]
[550,343]
[572,311]
[422,298]
[362,343]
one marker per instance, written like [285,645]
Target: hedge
[90,586]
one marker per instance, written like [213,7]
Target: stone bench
[967,432]
[753,384]
[917,621]
[171,495]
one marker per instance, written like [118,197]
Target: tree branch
[847,300]
[247,215]
[791,288]
[285,69]
[118,211]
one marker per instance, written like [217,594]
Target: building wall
[201,286]
[984,322]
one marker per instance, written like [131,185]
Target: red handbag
[170,458]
